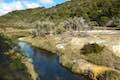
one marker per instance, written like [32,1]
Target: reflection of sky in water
[47,65]
[27,50]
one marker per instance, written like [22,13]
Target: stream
[47,65]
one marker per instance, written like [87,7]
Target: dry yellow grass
[99,70]
[46,43]
[72,53]
[14,32]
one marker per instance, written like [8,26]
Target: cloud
[47,1]
[32,5]
[6,7]
[2,12]
[15,5]
[29,3]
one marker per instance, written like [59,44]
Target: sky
[11,5]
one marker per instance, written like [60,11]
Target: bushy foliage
[75,24]
[91,48]
[43,27]
[116,21]
[60,28]
[47,27]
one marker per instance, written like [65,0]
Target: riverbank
[13,66]
[69,48]
[27,63]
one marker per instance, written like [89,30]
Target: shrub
[91,48]
[76,24]
[60,29]
[43,27]
[104,20]
[116,21]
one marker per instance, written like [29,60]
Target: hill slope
[101,11]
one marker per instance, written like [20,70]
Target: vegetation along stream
[47,66]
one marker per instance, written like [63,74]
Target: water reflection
[47,65]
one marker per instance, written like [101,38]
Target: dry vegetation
[97,60]
[82,54]
[11,66]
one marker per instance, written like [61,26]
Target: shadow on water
[47,66]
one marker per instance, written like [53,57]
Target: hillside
[97,11]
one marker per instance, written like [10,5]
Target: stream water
[47,65]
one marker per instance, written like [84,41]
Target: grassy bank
[14,66]
[27,63]
[14,33]
[45,43]
[13,69]
[94,64]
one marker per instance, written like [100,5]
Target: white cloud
[2,12]
[47,1]
[7,7]
[15,5]
[22,4]
[32,5]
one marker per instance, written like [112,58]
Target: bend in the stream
[47,66]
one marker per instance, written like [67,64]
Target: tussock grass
[46,43]
[96,58]
[109,75]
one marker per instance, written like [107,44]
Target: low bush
[42,28]
[76,24]
[99,55]
[91,48]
